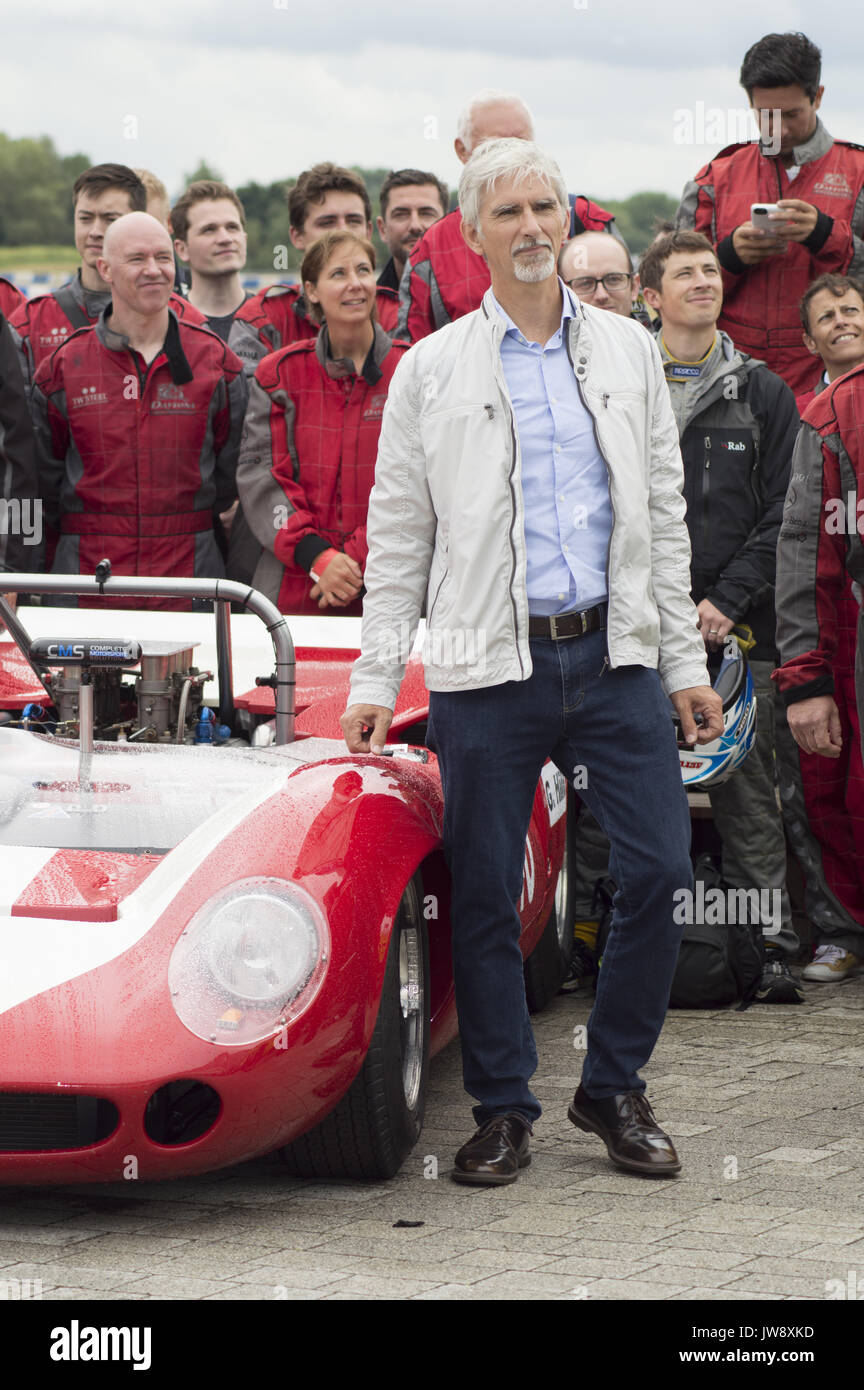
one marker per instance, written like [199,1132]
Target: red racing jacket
[137,458]
[760,302]
[44,323]
[11,297]
[444,279]
[279,316]
[307,462]
[820,546]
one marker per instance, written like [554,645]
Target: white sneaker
[830,963]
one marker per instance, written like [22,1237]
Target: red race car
[222,934]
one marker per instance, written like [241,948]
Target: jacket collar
[572,312]
[819,143]
[388,277]
[91,301]
[172,347]
[336,367]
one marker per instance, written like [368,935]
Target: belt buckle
[553,629]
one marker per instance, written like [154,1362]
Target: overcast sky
[626,94]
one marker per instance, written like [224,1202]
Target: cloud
[262,92]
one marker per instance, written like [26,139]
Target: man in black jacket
[737,423]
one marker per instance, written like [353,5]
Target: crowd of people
[167,419]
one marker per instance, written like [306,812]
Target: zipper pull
[490,410]
[605,399]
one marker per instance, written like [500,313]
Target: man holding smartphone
[810,187]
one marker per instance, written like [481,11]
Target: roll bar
[222,592]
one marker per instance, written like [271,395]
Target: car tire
[547,966]
[378,1121]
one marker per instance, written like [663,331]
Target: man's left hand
[713,625]
[699,699]
[799,219]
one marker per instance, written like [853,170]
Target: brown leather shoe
[627,1126]
[494,1155]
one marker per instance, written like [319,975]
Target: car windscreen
[145,798]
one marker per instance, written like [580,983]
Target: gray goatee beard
[531,272]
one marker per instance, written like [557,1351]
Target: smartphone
[760,219]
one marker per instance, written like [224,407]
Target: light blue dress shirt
[565,485]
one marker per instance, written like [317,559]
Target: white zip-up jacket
[446,514]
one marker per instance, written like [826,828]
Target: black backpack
[717,964]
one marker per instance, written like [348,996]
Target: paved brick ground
[766,1107]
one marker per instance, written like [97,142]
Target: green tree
[37,191]
[203,170]
[636,216]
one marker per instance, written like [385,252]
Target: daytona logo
[171,398]
[834,185]
[375,408]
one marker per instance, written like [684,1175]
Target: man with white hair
[529,486]
[140,419]
[444,278]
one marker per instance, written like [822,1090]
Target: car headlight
[250,960]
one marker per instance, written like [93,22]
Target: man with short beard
[528,487]
[411,201]
[140,419]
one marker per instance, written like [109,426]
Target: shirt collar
[569,310]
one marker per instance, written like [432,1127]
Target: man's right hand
[753,246]
[815,726]
[376,718]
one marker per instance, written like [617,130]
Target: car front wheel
[378,1121]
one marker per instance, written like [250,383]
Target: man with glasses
[598,270]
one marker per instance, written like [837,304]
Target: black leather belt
[576,624]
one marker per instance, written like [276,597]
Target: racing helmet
[709,764]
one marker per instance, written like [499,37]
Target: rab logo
[732,446]
[90,395]
[170,398]
[834,185]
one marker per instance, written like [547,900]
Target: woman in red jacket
[307,460]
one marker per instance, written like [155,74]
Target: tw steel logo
[90,395]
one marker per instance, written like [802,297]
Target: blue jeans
[491,745]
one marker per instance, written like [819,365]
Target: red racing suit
[279,316]
[138,458]
[307,462]
[760,302]
[444,279]
[11,297]
[832,788]
[42,324]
